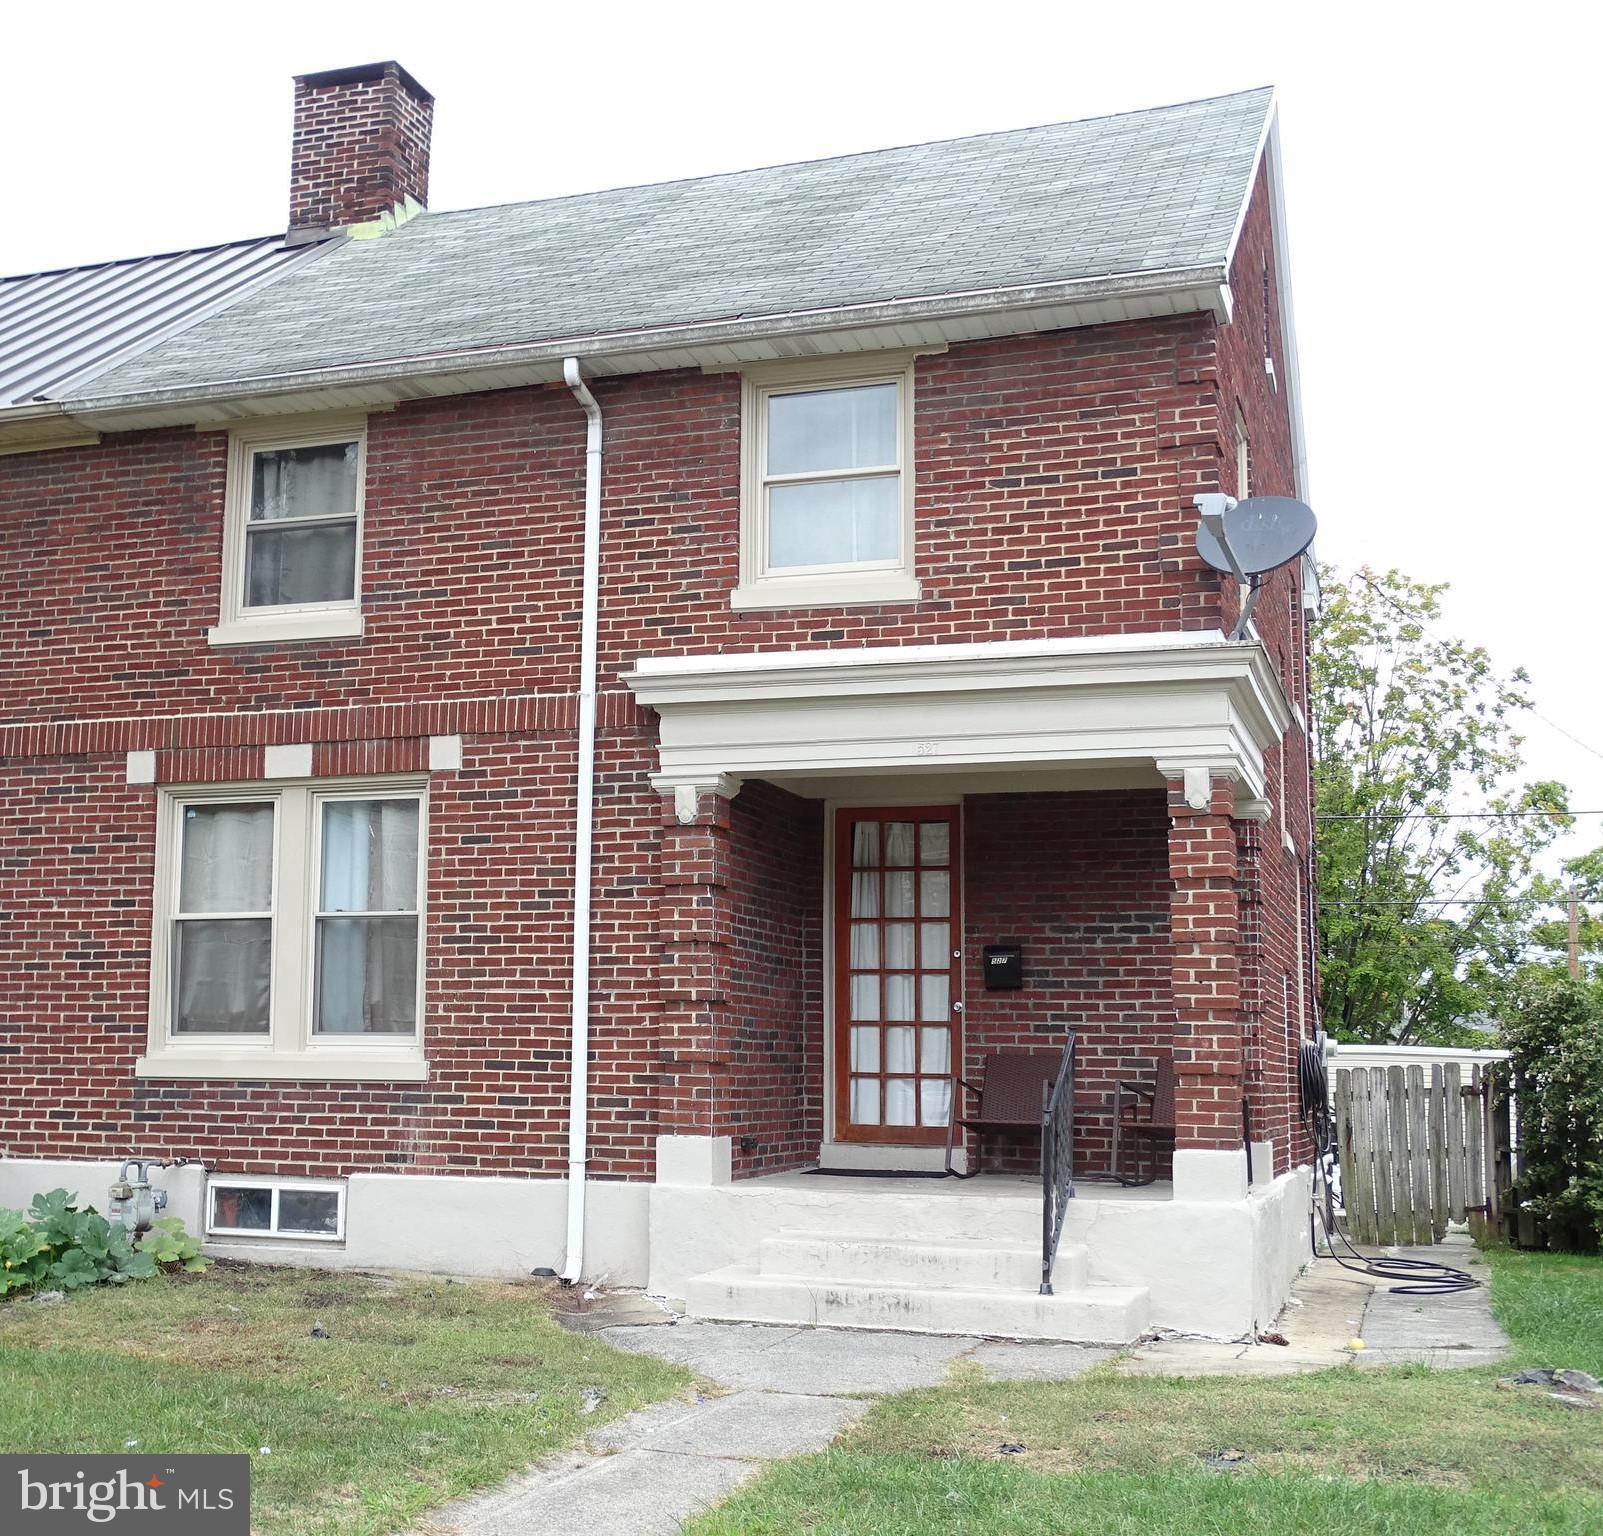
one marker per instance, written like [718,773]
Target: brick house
[520,724]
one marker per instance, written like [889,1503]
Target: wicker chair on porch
[1009,1097]
[1143,1120]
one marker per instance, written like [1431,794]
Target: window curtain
[223,965]
[304,482]
[367,961]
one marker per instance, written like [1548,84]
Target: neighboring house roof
[1141,193]
[60,330]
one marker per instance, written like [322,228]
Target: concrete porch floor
[983,1186]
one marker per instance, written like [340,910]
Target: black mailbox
[1004,967]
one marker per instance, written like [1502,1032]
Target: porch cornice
[1189,698]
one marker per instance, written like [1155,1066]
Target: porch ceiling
[1156,705]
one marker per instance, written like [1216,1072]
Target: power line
[1446,815]
[1456,645]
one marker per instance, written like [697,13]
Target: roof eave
[898,322]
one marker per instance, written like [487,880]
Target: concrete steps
[968,1264]
[943,1285]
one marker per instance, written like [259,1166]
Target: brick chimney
[361,146]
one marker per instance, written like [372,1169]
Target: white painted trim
[848,589]
[1207,1174]
[1195,703]
[695,1160]
[676,666]
[269,1065]
[445,754]
[141,768]
[287,760]
[287,629]
[289,1049]
[845,583]
[1288,322]
[239,624]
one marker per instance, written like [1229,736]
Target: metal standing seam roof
[59,330]
[1141,192]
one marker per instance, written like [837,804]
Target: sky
[1441,185]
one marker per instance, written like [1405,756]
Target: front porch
[876,823]
[964,1256]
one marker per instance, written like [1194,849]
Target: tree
[1426,883]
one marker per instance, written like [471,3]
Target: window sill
[844,591]
[308,1066]
[282,627]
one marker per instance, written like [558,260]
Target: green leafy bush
[57,1246]
[1554,1028]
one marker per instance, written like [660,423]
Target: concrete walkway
[795,1389]
[1331,1307]
[792,1390]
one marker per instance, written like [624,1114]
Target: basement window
[256,1207]
[827,483]
[292,544]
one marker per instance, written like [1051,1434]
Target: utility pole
[1575,930]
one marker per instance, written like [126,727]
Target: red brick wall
[1054,483]
[775,1022]
[1053,498]
[75,939]
[360,146]
[1081,880]
[1278,975]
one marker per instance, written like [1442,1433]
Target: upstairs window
[292,555]
[827,485]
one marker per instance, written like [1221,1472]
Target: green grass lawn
[424,1390]
[1404,1450]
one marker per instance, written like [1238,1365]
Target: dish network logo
[209,1495]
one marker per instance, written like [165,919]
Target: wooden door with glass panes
[897,971]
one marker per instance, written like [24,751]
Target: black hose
[1423,1277]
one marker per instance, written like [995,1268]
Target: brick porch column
[1204,918]
[694,924]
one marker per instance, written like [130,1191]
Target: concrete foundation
[1213,1254]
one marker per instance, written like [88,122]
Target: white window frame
[278,1186]
[290,1048]
[241,625]
[855,583]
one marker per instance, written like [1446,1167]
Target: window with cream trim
[827,483]
[289,930]
[292,546]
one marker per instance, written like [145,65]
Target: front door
[898,965]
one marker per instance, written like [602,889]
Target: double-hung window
[292,548]
[289,932]
[827,485]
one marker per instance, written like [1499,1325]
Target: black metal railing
[1057,1161]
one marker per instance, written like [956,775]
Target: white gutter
[584,824]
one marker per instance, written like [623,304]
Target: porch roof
[1181,703]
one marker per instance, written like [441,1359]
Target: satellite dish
[1263,533]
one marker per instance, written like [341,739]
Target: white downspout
[584,824]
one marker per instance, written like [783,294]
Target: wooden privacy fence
[1419,1151]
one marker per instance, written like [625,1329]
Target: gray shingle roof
[1141,192]
[59,330]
